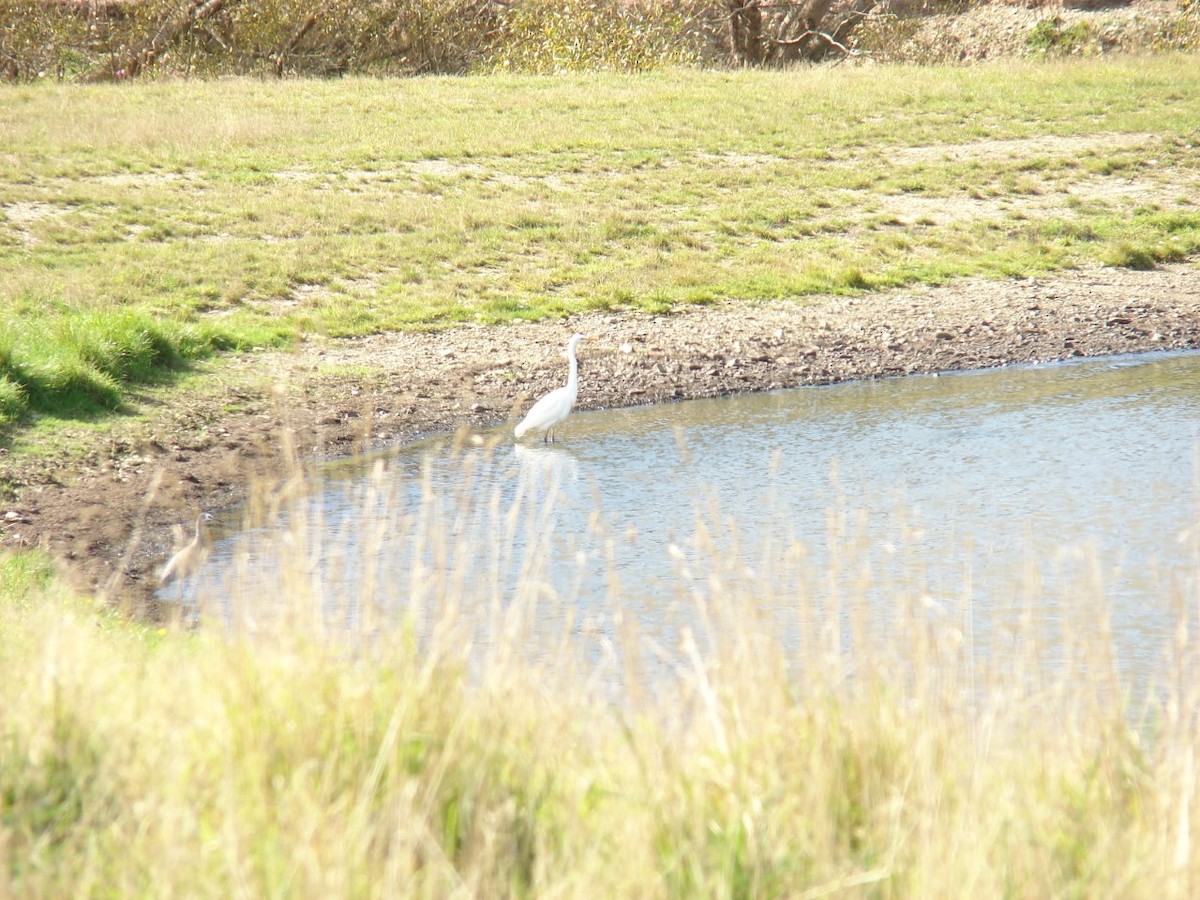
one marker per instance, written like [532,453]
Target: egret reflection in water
[545,467]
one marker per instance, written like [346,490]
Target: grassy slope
[237,213]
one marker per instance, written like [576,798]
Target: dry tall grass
[782,745]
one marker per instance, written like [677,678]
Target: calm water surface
[982,494]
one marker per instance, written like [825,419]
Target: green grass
[77,362]
[239,213]
[22,576]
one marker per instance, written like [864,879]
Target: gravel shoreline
[108,517]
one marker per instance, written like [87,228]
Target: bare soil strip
[108,516]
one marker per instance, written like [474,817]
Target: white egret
[189,557]
[556,405]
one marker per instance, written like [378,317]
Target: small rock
[626,348]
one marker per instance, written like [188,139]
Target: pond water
[1053,493]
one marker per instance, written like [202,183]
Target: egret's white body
[187,558]
[556,405]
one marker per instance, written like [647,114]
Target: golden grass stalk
[765,736]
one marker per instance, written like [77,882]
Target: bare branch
[807,36]
[169,30]
[296,38]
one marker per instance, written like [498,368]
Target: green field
[145,224]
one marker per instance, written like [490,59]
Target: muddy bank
[108,514]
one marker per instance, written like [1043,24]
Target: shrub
[551,36]
[1054,36]
[116,39]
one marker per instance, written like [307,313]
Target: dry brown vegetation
[111,39]
[118,39]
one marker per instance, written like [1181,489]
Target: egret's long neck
[573,378]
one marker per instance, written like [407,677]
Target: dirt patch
[22,214]
[1017,148]
[910,209]
[142,179]
[108,516]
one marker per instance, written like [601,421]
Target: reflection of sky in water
[1020,482]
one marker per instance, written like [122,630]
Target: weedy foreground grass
[464,748]
[142,225]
